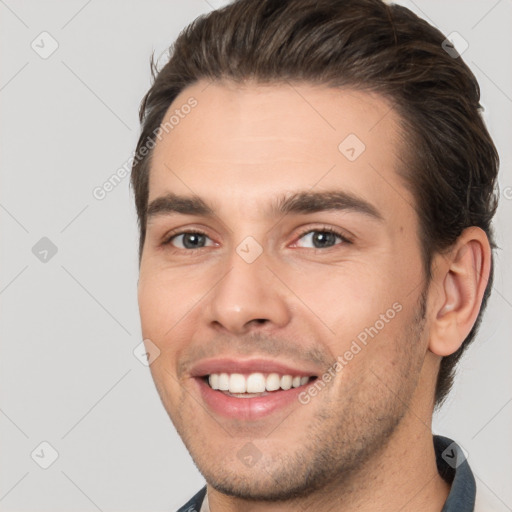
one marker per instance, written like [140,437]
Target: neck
[403,476]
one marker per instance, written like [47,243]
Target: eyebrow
[302,202]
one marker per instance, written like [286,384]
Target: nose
[247,297]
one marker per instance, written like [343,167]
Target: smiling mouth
[256,384]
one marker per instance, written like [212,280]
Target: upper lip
[247,366]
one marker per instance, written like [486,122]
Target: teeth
[286,382]
[237,383]
[273,382]
[255,383]
[223,382]
[214,380]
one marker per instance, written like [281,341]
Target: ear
[461,277]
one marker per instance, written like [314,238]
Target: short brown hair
[451,163]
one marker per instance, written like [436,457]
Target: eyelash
[324,229]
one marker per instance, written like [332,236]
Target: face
[281,280]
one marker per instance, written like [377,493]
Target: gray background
[68,375]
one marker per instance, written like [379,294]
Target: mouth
[250,390]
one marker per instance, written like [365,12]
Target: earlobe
[462,277]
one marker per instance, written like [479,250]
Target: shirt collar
[454,468]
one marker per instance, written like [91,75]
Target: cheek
[347,298]
[160,314]
[380,360]
[153,301]
[162,302]
[168,306]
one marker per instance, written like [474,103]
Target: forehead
[244,144]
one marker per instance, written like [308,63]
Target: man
[315,188]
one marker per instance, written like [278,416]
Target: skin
[367,434]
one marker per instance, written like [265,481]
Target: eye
[189,240]
[321,238]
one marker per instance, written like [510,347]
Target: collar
[454,468]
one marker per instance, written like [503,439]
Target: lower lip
[248,408]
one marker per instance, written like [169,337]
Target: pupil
[323,238]
[193,240]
